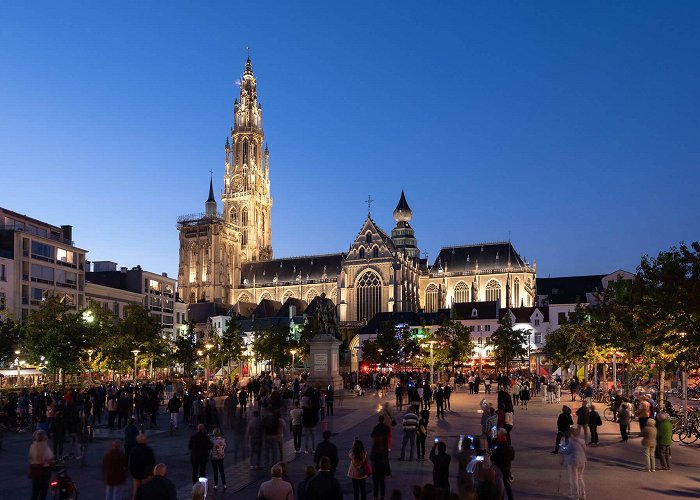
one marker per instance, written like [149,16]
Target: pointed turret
[210,205]
[403,235]
[248,67]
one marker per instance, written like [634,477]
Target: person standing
[410,427]
[230,405]
[441,467]
[326,449]
[199,447]
[112,409]
[41,459]
[439,396]
[583,419]
[158,487]
[323,486]
[243,401]
[594,421]
[398,391]
[254,439]
[141,462]
[421,436]
[276,488]
[448,392]
[643,413]
[516,393]
[502,457]
[379,457]
[574,452]
[664,435]
[295,416]
[114,472]
[564,425]
[649,445]
[359,470]
[309,421]
[174,406]
[524,394]
[330,398]
[218,450]
[623,417]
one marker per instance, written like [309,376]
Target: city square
[469,228]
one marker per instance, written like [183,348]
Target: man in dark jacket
[564,424]
[502,456]
[441,467]
[141,461]
[174,406]
[326,449]
[130,434]
[158,487]
[200,446]
[323,486]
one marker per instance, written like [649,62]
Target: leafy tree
[138,330]
[10,340]
[231,341]
[185,347]
[58,334]
[453,342]
[392,346]
[273,342]
[507,342]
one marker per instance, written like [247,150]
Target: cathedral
[225,256]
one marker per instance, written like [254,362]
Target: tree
[507,342]
[273,342]
[58,334]
[137,330]
[453,343]
[231,341]
[393,345]
[185,347]
[10,340]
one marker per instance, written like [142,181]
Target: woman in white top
[41,460]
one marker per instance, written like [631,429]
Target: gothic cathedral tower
[246,198]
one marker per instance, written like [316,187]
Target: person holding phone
[441,466]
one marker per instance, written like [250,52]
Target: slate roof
[287,270]
[411,318]
[299,304]
[267,308]
[202,311]
[244,309]
[484,310]
[523,314]
[488,255]
[249,325]
[569,289]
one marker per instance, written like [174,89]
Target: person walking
[230,405]
[564,425]
[41,459]
[623,417]
[379,458]
[410,428]
[664,435]
[398,392]
[583,419]
[524,394]
[359,470]
[441,467]
[218,449]
[516,393]
[199,447]
[594,421]
[649,435]
[141,462]
[243,402]
[574,452]
[114,471]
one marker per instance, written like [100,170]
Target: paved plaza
[614,469]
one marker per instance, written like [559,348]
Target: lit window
[369,296]
[493,291]
[461,293]
[431,298]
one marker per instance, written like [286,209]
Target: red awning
[543,371]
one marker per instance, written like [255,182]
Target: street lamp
[684,386]
[208,346]
[90,353]
[293,351]
[19,372]
[357,357]
[431,343]
[135,352]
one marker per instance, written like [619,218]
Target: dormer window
[362,253]
[368,237]
[475,314]
[375,252]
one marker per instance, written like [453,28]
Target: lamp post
[684,386]
[90,353]
[431,343]
[208,347]
[293,352]
[135,352]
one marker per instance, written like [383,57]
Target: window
[461,293]
[362,253]
[66,278]
[475,313]
[375,252]
[493,291]
[3,270]
[368,237]
[471,328]
[38,294]
[3,301]
[561,317]
[431,298]
[487,328]
[478,328]
[369,296]
[42,274]
[115,309]
[41,251]
[65,256]
[487,340]
[516,292]
[537,322]
[478,341]
[538,338]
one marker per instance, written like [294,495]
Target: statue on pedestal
[325,316]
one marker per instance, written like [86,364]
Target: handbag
[367,468]
[36,471]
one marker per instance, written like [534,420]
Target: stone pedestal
[324,362]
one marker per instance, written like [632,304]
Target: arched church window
[368,237]
[244,297]
[266,296]
[245,177]
[369,296]
[245,151]
[493,291]
[310,295]
[461,293]
[287,295]
[375,252]
[362,253]
[193,298]
[516,292]
[234,216]
[244,217]
[431,298]
[244,237]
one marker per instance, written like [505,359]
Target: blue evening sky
[571,126]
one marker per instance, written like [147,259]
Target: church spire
[210,205]
[403,235]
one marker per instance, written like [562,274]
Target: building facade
[226,257]
[38,260]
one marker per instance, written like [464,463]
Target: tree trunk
[661,396]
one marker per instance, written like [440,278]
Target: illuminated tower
[246,198]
